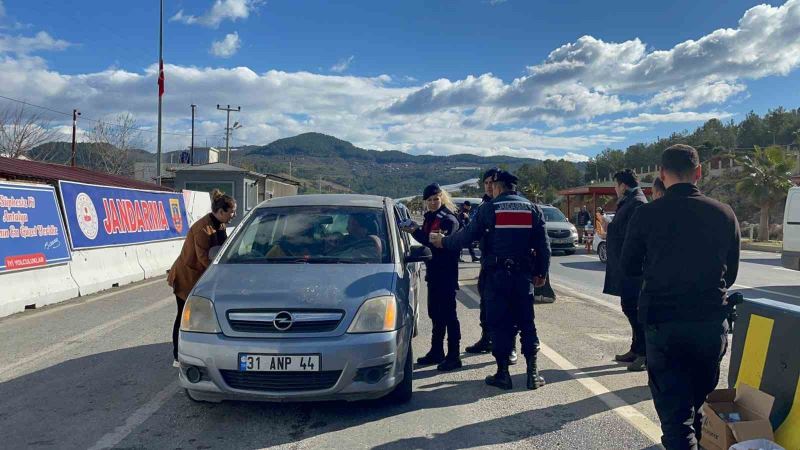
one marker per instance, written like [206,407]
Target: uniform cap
[431,189]
[505,177]
[490,173]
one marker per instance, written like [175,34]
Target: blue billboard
[105,216]
[31,230]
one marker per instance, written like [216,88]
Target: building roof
[27,170]
[282,179]
[222,167]
[604,188]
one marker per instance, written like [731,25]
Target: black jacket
[616,283]
[442,269]
[687,247]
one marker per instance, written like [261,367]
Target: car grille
[281,381]
[559,234]
[261,321]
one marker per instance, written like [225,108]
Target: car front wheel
[402,392]
[602,252]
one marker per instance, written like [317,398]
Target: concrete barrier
[157,257]
[37,287]
[99,269]
[765,356]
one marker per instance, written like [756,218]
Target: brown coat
[193,260]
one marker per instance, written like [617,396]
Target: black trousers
[509,309]
[683,361]
[630,307]
[177,326]
[442,312]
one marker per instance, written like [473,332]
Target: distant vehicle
[790,257]
[599,244]
[313,297]
[563,235]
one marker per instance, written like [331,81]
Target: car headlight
[574,231]
[199,316]
[375,315]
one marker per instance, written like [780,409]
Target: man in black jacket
[617,283]
[686,246]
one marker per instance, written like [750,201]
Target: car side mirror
[213,252]
[419,253]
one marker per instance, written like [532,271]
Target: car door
[411,271]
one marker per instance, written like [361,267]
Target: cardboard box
[751,406]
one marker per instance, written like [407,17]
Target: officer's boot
[436,354]
[453,359]
[502,379]
[532,379]
[484,344]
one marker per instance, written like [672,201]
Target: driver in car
[361,235]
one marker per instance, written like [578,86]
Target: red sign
[25,261]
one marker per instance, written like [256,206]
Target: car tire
[602,252]
[402,392]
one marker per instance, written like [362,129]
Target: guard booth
[766,355]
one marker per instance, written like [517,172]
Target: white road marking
[8,372]
[618,405]
[613,306]
[768,291]
[593,258]
[137,418]
[784,269]
[33,314]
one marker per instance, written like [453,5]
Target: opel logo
[282,321]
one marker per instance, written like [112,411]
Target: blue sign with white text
[105,216]
[31,230]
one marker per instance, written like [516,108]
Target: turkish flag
[160,78]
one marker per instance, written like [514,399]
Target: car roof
[369,201]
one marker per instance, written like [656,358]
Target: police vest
[513,227]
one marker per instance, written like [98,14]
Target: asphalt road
[96,373]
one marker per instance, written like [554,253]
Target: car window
[553,215]
[311,234]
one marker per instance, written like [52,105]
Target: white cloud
[673,117]
[24,45]
[343,64]
[590,77]
[496,2]
[220,11]
[227,47]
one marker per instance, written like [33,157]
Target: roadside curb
[756,247]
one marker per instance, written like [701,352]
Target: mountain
[390,173]
[315,160]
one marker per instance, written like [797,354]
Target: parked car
[313,297]
[599,244]
[563,235]
[790,257]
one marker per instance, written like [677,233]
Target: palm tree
[766,181]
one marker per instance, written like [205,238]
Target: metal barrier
[766,355]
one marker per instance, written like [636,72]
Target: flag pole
[160,85]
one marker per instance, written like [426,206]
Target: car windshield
[553,215]
[311,235]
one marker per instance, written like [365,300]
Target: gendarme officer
[517,254]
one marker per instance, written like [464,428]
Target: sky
[527,78]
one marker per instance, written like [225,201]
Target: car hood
[557,226]
[295,286]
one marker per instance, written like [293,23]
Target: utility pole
[160,85]
[228,109]
[290,169]
[320,183]
[191,149]
[75,115]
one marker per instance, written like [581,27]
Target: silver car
[312,298]
[563,235]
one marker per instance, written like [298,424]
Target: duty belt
[507,263]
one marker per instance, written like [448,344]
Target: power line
[69,114]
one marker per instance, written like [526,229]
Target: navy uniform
[516,251]
[441,274]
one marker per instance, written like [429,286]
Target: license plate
[278,363]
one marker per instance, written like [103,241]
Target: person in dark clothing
[686,248]
[464,217]
[441,275]
[627,288]
[517,258]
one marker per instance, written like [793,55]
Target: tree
[113,142]
[766,180]
[22,130]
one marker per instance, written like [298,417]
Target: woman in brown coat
[206,233]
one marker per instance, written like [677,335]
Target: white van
[791,230]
